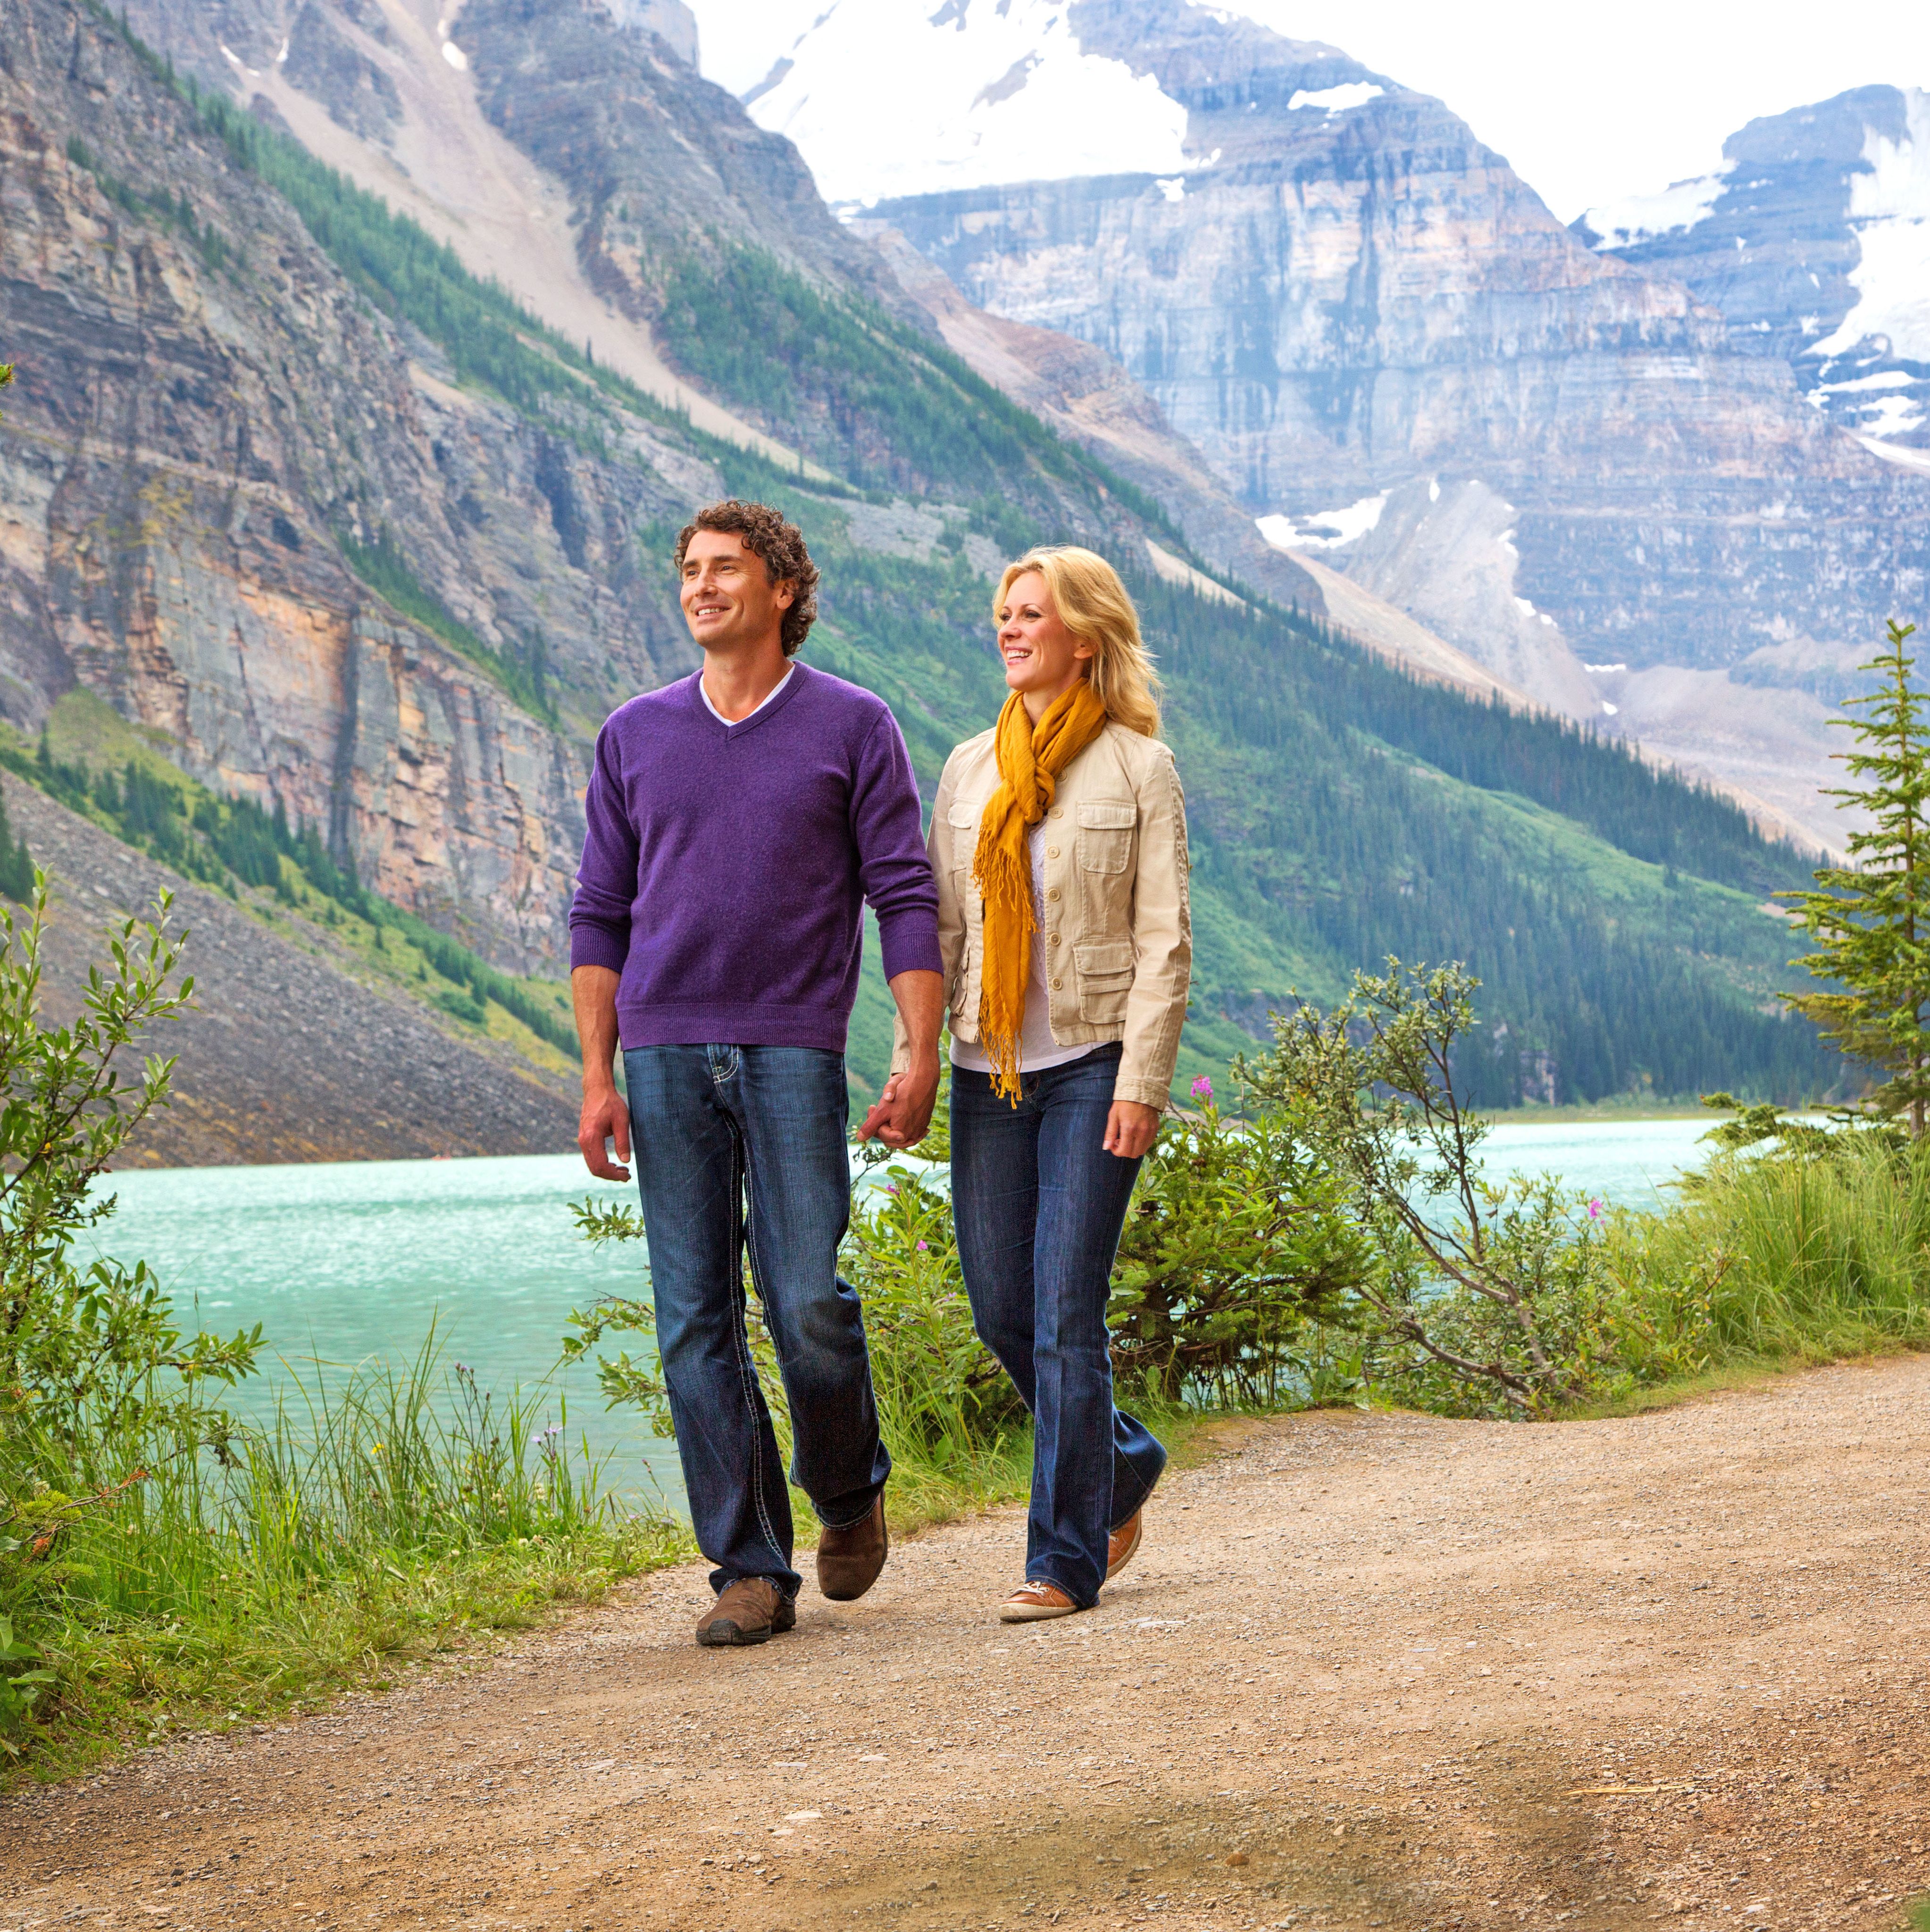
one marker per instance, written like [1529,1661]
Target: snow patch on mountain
[1325,529]
[1003,92]
[1639,217]
[1889,211]
[1336,99]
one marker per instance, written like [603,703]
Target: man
[737,819]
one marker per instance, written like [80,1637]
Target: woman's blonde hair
[1093,605]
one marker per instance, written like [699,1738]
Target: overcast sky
[1587,103]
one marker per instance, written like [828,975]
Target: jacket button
[1057,984]
[1057,811]
[1052,939]
[1051,851]
[1052,892]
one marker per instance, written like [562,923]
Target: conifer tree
[1871,920]
[17,866]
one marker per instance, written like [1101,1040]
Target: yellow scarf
[1031,758]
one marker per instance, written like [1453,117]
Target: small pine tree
[1871,920]
[17,867]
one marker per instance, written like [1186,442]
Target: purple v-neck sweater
[725,867]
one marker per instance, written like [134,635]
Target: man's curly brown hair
[778,544]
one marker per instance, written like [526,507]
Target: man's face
[728,596]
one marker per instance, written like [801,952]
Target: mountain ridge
[1343,295]
[480,508]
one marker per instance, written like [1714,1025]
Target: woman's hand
[1131,1128]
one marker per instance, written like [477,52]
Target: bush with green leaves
[96,1379]
[162,1557]
[1513,1297]
[88,1355]
[1235,1251]
[1237,1241]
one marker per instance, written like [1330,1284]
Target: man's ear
[784,593]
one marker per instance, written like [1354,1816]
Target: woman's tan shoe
[1033,1601]
[1123,1545]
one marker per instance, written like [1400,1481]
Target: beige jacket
[1119,931]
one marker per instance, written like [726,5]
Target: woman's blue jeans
[708,1125]
[1039,1204]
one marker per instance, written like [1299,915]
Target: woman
[1059,841]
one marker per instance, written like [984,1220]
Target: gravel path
[1367,1671]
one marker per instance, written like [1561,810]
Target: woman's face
[1043,658]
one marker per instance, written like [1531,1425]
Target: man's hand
[901,1115]
[902,1112]
[1131,1128]
[604,1118]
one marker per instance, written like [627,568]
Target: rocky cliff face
[208,419]
[281,529]
[288,1053]
[1813,239]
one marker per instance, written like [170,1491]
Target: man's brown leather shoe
[1123,1545]
[751,1610]
[849,1559]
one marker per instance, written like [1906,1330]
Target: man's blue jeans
[707,1123]
[1039,1204]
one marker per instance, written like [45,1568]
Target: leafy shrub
[90,1361]
[1510,1298]
[155,1548]
[1596,1319]
[941,1392]
[1237,1238]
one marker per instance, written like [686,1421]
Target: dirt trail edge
[1368,1670]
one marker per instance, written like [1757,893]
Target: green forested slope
[1340,810]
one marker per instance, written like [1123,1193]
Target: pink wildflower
[1202,1088]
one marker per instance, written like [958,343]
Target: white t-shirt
[755,708]
[1037,1049]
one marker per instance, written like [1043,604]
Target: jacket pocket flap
[960,815]
[1113,812]
[1103,958]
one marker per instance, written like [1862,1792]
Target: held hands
[1131,1128]
[604,1118]
[901,1115]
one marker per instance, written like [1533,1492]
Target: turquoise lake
[352,1262]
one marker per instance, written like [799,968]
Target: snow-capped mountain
[886,99]
[1001,93]
[1560,457]
[1813,237]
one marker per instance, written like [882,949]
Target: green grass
[385,1517]
[1820,1258]
[389,1516]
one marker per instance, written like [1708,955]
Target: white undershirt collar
[755,708]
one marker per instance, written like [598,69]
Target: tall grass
[1816,1257]
[379,1517]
